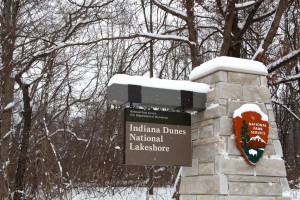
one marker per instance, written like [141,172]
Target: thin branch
[283,61]
[170,10]
[285,107]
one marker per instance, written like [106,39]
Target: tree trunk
[272,31]
[227,35]
[24,143]
[192,28]
[8,18]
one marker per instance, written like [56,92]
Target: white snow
[178,177]
[9,106]
[275,157]
[124,79]
[245,4]
[213,105]
[249,107]
[170,9]
[164,37]
[295,194]
[228,64]
[119,193]
[257,138]
[273,66]
[252,152]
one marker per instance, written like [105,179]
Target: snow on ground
[295,194]
[133,193]
[130,193]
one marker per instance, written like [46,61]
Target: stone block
[211,95]
[256,94]
[205,132]
[233,105]
[273,124]
[254,179]
[206,168]
[193,170]
[223,102]
[244,79]
[219,76]
[205,159]
[284,198]
[198,124]
[223,126]
[217,184]
[270,167]
[206,197]
[229,91]
[209,140]
[269,150]
[213,112]
[194,134]
[232,148]
[273,133]
[278,148]
[245,198]
[255,189]
[188,197]
[209,149]
[269,106]
[263,81]
[235,165]
[271,116]
[285,186]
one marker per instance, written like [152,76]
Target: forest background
[58,131]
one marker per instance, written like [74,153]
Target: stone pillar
[219,171]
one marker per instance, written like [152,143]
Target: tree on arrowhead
[244,133]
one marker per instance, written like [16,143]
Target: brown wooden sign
[157,138]
[251,130]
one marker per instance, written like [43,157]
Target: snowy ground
[134,194]
[295,194]
[121,194]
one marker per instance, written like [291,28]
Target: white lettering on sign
[174,131]
[144,128]
[145,138]
[257,124]
[153,147]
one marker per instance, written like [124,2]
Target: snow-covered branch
[70,132]
[285,107]
[244,5]
[270,34]
[286,79]
[170,10]
[62,45]
[283,61]
[54,151]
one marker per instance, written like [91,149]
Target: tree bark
[192,29]
[227,36]
[272,31]
[24,143]
[8,23]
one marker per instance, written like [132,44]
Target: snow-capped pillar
[219,171]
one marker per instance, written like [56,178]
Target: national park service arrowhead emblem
[251,129]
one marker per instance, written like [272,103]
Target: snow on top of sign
[249,107]
[228,64]
[124,79]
